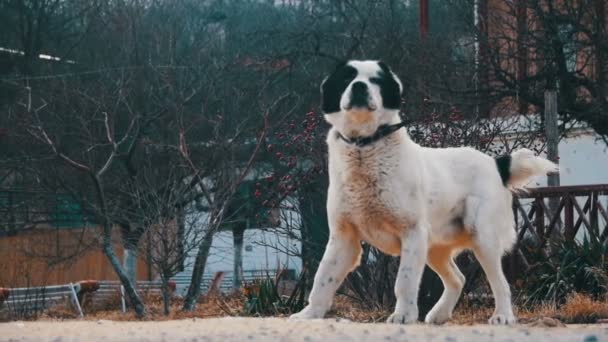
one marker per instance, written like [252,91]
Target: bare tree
[539,45]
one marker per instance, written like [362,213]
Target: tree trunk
[166,295]
[181,237]
[238,234]
[130,263]
[109,252]
[130,290]
[194,291]
[130,242]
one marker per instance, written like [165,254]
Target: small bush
[576,267]
[264,298]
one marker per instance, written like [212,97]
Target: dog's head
[360,96]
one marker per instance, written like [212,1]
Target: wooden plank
[557,191]
[527,223]
[568,217]
[579,221]
[540,219]
[593,217]
[601,210]
[73,253]
[581,214]
[556,216]
[548,213]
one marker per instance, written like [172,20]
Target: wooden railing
[558,210]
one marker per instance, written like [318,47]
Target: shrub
[264,298]
[575,267]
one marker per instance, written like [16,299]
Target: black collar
[382,132]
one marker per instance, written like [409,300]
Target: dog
[425,205]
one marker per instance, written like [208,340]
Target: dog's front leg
[413,258]
[342,255]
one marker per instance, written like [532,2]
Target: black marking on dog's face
[389,88]
[334,86]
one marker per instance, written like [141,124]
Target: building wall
[51,256]
[263,249]
[507,23]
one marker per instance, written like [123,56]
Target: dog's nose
[359,95]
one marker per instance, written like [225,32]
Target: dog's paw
[402,318]
[502,319]
[307,313]
[437,316]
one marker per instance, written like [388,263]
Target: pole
[552,135]
[551,132]
[424,30]
[424,19]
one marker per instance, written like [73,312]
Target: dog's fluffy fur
[422,204]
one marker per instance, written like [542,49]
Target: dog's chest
[369,189]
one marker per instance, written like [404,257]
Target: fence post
[539,220]
[122,298]
[569,217]
[75,300]
[552,135]
[593,219]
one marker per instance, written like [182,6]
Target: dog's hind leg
[413,258]
[440,260]
[342,255]
[493,225]
[490,261]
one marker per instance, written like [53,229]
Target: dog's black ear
[387,70]
[391,88]
[384,67]
[334,85]
[337,67]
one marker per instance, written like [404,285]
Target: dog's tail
[515,169]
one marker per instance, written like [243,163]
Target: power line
[97,71]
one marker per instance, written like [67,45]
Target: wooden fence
[558,210]
[42,257]
[556,213]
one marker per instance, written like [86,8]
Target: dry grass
[583,309]
[212,306]
[345,307]
[578,309]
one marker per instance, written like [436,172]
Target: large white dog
[422,204]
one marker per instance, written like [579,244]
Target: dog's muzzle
[359,97]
